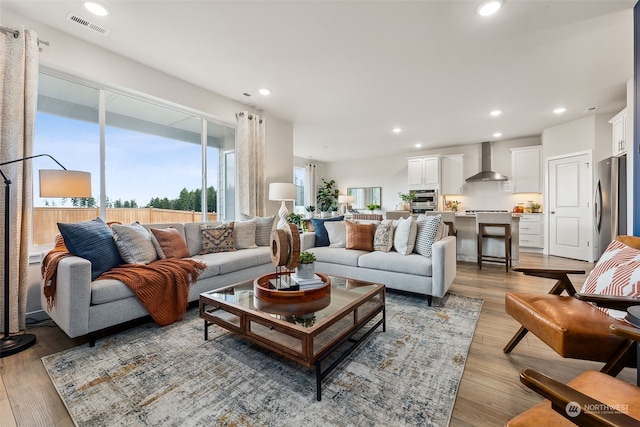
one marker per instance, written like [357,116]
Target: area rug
[151,376]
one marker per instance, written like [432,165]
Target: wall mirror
[363,196]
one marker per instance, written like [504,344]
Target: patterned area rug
[151,376]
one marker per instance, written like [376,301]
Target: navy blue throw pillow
[93,241]
[322,237]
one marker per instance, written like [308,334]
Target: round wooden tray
[263,292]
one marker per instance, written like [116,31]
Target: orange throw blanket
[49,268]
[161,286]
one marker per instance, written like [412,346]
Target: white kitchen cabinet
[424,172]
[532,231]
[452,174]
[619,132]
[526,169]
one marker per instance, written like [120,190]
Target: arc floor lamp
[53,183]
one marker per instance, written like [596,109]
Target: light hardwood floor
[489,395]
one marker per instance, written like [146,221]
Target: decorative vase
[306,271]
[324,214]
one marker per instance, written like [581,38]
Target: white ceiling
[346,72]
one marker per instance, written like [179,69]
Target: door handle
[552,212]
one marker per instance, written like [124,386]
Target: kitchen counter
[467,240]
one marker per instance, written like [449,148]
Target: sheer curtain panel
[18,90]
[250,153]
[310,186]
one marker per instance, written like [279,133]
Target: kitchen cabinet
[424,172]
[526,169]
[619,133]
[532,231]
[451,176]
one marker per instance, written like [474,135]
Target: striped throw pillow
[426,234]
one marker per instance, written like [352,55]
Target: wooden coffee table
[327,330]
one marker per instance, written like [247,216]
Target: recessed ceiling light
[497,134]
[495,113]
[559,110]
[96,8]
[264,92]
[418,145]
[489,7]
[397,130]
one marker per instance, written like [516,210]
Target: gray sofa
[83,307]
[412,273]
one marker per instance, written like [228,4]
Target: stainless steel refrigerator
[610,201]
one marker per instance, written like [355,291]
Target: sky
[138,166]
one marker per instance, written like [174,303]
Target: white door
[570,216]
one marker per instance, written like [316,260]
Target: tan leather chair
[570,325]
[590,399]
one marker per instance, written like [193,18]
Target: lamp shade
[345,199]
[282,191]
[64,183]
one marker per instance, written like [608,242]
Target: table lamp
[53,183]
[282,191]
[345,200]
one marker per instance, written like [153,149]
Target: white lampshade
[64,183]
[345,199]
[282,191]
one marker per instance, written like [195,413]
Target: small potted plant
[406,198]
[296,219]
[327,195]
[535,207]
[372,207]
[310,210]
[306,265]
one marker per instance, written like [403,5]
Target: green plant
[295,218]
[310,208]
[407,197]
[373,207]
[535,205]
[327,195]
[307,258]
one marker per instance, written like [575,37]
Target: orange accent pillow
[171,244]
[360,236]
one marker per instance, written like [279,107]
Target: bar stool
[449,218]
[494,225]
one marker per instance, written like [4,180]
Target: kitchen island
[467,240]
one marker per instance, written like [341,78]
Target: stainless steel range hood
[486,174]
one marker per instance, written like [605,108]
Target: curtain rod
[16,34]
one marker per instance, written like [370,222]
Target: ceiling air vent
[88,24]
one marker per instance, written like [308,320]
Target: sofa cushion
[244,234]
[337,232]
[616,273]
[360,236]
[217,238]
[134,243]
[264,225]
[404,235]
[383,238]
[340,256]
[427,230]
[228,262]
[322,238]
[393,261]
[93,241]
[169,243]
[104,291]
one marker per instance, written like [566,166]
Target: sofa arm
[307,240]
[73,296]
[443,265]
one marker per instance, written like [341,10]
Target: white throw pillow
[404,236]
[337,231]
[244,234]
[134,243]
[426,234]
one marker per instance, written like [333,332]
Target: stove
[472,211]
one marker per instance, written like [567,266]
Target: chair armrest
[561,275]
[609,301]
[629,332]
[561,395]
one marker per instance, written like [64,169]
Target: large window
[155,163]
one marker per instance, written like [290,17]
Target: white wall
[82,59]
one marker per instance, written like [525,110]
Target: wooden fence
[45,219]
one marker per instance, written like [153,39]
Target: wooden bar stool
[494,225]
[448,218]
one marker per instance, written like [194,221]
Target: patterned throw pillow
[616,273]
[426,234]
[264,225]
[404,236]
[360,236]
[217,238]
[134,243]
[169,243]
[244,234]
[322,237]
[337,231]
[93,241]
[383,238]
